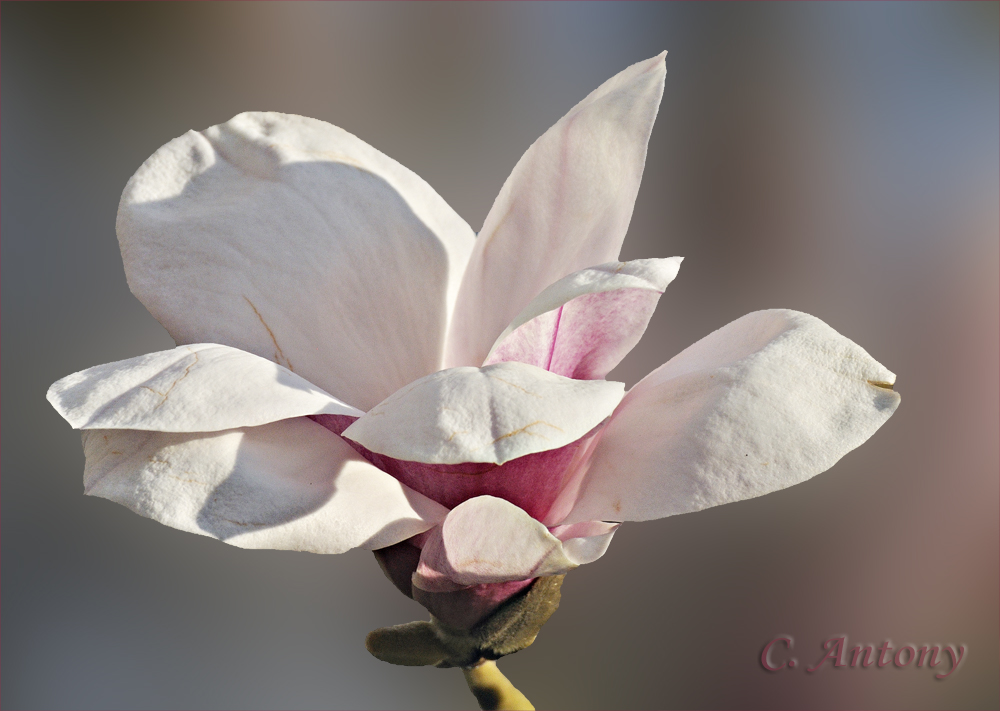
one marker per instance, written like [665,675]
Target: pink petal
[566,205]
[335,423]
[532,482]
[460,609]
[399,563]
[465,608]
[584,324]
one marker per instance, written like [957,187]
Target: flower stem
[492,690]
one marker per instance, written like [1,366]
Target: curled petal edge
[487,540]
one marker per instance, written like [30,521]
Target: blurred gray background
[839,159]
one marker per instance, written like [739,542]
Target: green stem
[492,689]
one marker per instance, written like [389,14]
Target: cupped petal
[532,482]
[288,485]
[566,206]
[292,239]
[198,388]
[484,415]
[584,324]
[763,403]
[487,540]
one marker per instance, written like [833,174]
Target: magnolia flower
[357,368]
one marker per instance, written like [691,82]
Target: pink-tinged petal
[292,239]
[288,485]
[532,482]
[487,415]
[198,388]
[586,541]
[399,562]
[766,402]
[573,478]
[566,206]
[489,540]
[583,529]
[584,324]
[336,423]
[460,609]
[467,607]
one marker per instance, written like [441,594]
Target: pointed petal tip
[887,399]
[654,65]
[786,395]
[566,205]
[675,263]
[657,63]
[202,387]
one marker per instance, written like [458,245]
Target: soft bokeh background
[839,159]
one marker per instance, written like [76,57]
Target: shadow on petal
[291,239]
[252,499]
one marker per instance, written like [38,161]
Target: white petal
[489,540]
[766,402]
[198,388]
[566,206]
[585,323]
[292,239]
[290,485]
[586,541]
[491,414]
